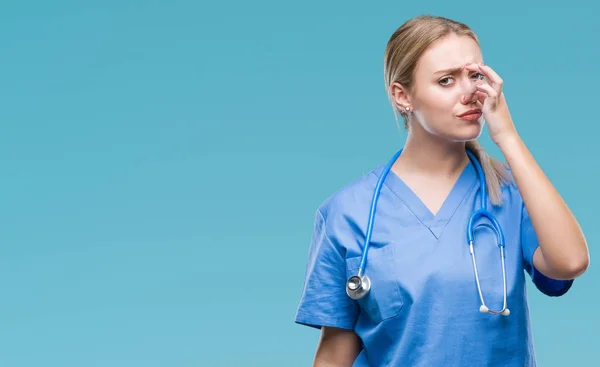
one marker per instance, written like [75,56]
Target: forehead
[449,52]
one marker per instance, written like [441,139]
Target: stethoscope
[359,285]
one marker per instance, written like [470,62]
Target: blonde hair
[402,53]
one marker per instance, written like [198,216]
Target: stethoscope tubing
[483,212]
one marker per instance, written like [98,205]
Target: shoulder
[353,197]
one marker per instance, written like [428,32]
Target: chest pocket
[384,299]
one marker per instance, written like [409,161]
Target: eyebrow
[451,70]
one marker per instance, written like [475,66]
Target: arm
[563,252]
[324,303]
[337,348]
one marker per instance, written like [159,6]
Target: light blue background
[161,163]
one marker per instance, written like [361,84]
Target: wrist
[507,140]
[510,145]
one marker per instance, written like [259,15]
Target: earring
[407,108]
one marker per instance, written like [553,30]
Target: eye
[445,81]
[478,76]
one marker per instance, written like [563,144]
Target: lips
[470,114]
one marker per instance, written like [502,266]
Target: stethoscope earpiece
[484,309]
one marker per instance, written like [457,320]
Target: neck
[426,154]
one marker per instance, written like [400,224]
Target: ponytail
[495,171]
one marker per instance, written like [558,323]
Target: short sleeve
[324,301]
[529,243]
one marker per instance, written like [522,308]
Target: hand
[495,110]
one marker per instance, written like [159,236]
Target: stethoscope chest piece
[358,286]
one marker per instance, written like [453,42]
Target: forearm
[335,356]
[337,348]
[564,251]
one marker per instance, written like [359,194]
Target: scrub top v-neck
[434,222]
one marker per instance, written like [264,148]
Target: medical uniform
[423,306]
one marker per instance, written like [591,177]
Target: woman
[424,306]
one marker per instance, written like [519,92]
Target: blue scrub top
[423,307]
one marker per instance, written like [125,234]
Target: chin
[466,133]
[452,130]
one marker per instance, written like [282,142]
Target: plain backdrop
[161,163]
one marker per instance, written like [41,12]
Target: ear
[400,97]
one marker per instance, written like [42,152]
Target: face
[444,90]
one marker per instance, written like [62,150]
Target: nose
[469,96]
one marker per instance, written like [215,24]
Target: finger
[487,89]
[481,96]
[492,76]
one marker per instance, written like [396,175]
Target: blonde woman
[424,294]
